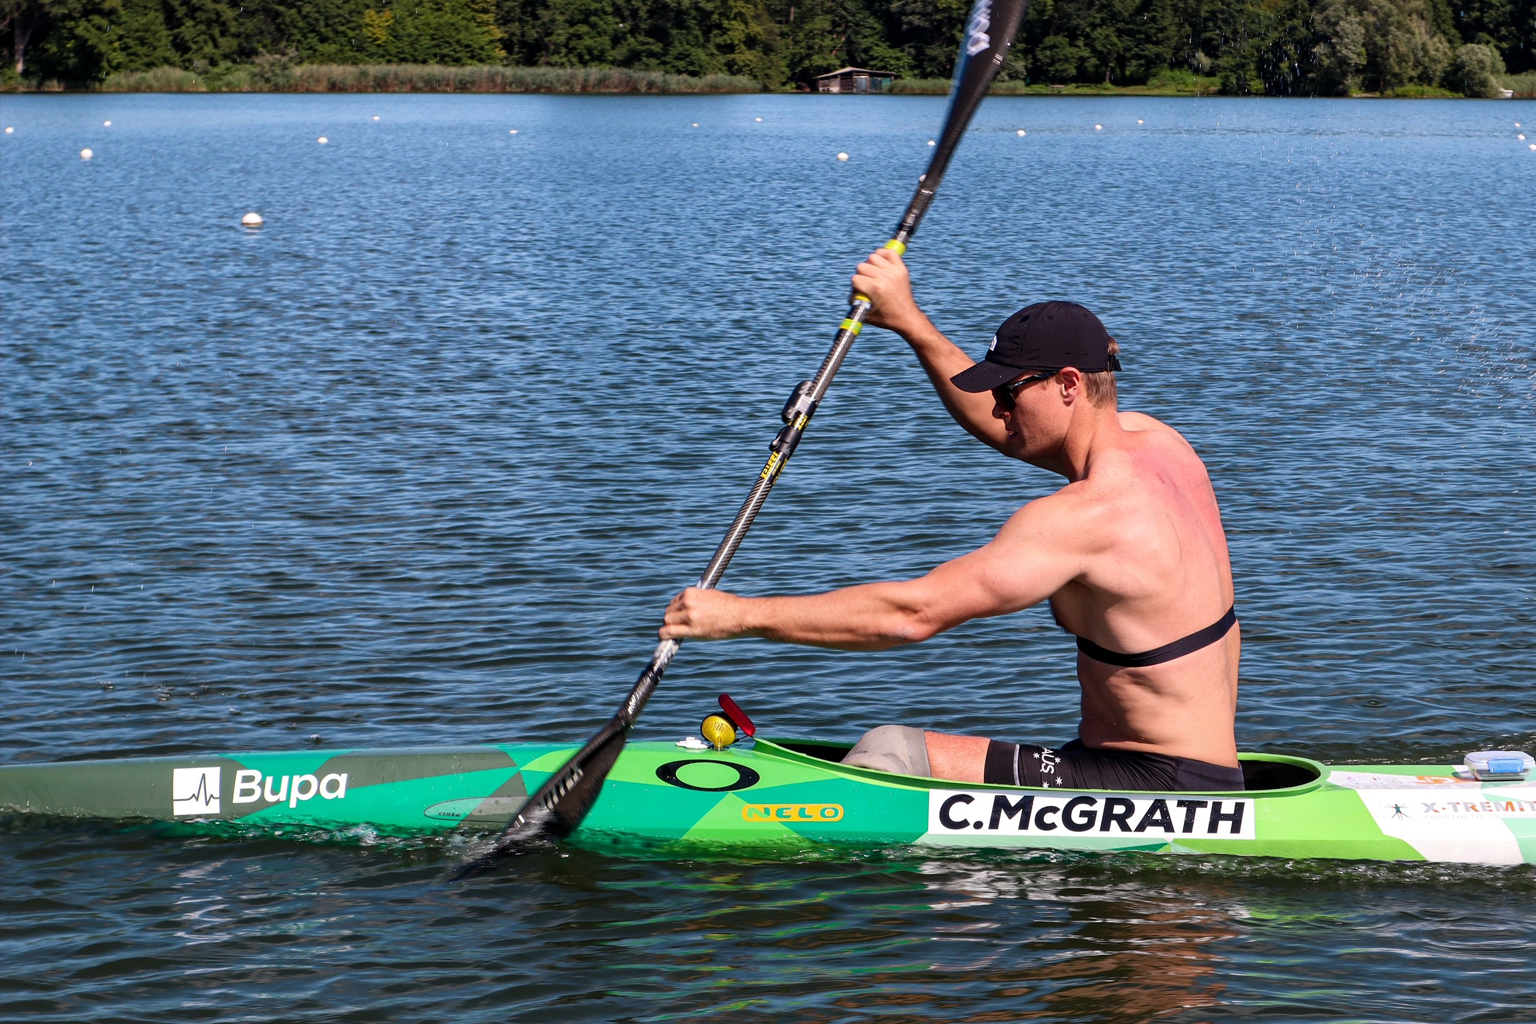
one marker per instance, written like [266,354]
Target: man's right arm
[883,277]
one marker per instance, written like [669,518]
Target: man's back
[1155,569]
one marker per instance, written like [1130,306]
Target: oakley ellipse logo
[746,778]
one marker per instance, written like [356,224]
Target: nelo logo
[251,786]
[786,813]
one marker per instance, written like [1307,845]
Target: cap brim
[985,376]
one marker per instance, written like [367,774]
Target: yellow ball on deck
[718,731]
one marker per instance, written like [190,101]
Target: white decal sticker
[1097,814]
[1372,780]
[976,31]
[1474,807]
[247,786]
[299,791]
[1463,825]
[194,791]
[252,787]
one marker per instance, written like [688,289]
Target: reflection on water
[421,460]
[199,926]
[1117,956]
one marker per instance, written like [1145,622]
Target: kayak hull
[794,794]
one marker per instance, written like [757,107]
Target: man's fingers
[678,622]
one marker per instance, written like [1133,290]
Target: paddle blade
[556,808]
[989,33]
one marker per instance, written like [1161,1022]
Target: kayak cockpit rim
[1270,774]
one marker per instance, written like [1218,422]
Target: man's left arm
[1031,558]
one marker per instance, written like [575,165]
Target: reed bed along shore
[276,76]
[1170,84]
[1182,83]
[421,78]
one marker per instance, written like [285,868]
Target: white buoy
[695,124]
[932,143]
[1098,127]
[512,131]
[106,124]
[842,156]
[322,140]
[1021,133]
[86,154]
[759,119]
[1520,137]
[1517,125]
[9,129]
[1140,121]
[1533,145]
[375,117]
[252,220]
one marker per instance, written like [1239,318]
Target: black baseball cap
[1045,336]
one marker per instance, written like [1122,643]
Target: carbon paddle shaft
[559,805]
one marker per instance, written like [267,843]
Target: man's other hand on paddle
[884,279]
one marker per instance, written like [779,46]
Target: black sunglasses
[1004,394]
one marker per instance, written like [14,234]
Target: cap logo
[993,347]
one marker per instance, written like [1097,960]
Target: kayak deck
[794,793]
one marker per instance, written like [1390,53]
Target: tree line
[1249,47]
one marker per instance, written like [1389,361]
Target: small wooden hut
[855,80]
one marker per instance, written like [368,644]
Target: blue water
[422,459]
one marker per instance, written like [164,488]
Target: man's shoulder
[1150,431]
[1078,517]
[1138,422]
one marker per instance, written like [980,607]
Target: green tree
[1474,69]
[29,20]
[1378,45]
[427,32]
[1270,48]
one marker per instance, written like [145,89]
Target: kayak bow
[795,794]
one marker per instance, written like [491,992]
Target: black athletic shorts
[1074,766]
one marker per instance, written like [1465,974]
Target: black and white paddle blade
[989,33]
[556,808]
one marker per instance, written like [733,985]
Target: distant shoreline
[432,78]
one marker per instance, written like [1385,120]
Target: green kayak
[790,794]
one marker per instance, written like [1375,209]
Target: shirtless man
[1130,553]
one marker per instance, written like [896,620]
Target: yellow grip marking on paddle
[853,325]
[771,468]
[900,247]
[802,421]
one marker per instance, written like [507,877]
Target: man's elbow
[915,627]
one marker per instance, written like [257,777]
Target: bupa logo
[1030,814]
[194,791]
[251,786]
[976,37]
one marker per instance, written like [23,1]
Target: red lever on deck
[736,715]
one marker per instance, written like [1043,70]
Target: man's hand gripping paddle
[560,804]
